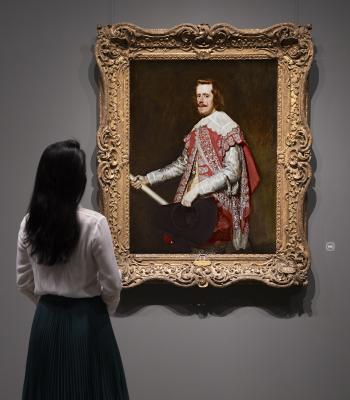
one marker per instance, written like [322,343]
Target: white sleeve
[108,271]
[229,173]
[176,168]
[24,269]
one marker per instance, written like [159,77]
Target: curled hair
[218,99]
[52,228]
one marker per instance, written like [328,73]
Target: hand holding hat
[190,196]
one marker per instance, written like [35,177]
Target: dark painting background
[162,112]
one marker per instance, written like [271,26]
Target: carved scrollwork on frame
[287,44]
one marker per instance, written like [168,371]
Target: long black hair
[52,228]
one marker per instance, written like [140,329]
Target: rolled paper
[151,193]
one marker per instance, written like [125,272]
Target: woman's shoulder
[22,226]
[89,216]
[24,220]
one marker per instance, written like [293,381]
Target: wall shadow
[311,193]
[220,302]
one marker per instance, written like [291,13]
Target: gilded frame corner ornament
[292,47]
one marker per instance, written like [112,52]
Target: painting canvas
[164,112]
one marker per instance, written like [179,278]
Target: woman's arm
[108,271]
[24,269]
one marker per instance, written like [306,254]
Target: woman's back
[91,270]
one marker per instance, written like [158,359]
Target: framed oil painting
[204,152]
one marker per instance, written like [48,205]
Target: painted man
[215,162]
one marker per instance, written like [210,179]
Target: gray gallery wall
[240,344]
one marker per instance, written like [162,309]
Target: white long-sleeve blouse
[91,270]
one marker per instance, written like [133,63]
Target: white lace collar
[218,122]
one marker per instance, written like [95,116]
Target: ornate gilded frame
[292,47]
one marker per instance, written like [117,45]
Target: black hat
[188,226]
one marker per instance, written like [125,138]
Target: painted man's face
[205,99]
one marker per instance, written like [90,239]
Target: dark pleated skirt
[73,354]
